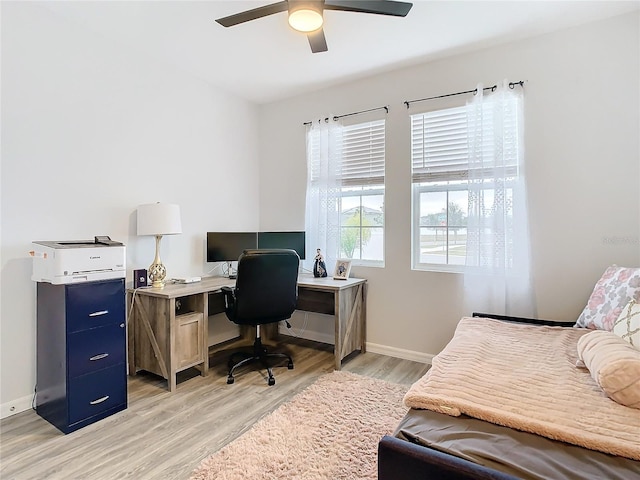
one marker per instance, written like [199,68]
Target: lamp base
[157,274]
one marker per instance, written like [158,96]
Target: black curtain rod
[474,91]
[336,117]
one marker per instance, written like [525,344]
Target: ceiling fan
[306,15]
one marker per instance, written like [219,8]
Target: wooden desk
[168,327]
[346,300]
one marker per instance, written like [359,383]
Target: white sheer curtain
[498,271]
[322,218]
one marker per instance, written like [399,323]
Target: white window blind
[440,145]
[363,150]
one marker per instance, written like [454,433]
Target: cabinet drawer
[95,349]
[190,340]
[94,304]
[97,392]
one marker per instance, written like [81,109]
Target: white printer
[62,262]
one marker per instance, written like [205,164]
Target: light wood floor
[166,436]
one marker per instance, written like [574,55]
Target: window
[345,191]
[453,172]
[362,193]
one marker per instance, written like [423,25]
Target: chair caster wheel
[272,381]
[230,380]
[290,366]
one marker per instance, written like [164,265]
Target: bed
[434,442]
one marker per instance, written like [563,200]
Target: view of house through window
[443,225]
[362,223]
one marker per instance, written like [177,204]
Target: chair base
[259,354]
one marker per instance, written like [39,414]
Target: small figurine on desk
[319,268]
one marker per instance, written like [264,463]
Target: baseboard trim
[16,406]
[399,353]
[371,347]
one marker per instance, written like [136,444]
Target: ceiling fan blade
[317,41]
[381,7]
[253,14]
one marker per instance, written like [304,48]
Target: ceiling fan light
[305,20]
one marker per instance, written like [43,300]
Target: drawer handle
[100,400]
[99,357]
[97,314]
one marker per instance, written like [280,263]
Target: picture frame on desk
[342,270]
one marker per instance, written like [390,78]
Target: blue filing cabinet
[81,352]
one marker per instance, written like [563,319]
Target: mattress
[523,455]
[525,377]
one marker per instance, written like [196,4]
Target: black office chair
[266,291]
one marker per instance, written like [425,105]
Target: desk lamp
[158,219]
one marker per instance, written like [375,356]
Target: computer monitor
[292,240]
[228,246]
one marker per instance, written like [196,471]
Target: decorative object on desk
[140,278]
[330,430]
[158,219]
[319,268]
[343,267]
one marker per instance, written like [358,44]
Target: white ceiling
[265,60]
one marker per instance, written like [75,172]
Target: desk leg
[363,319]
[350,316]
[131,357]
[337,349]
[205,334]
[171,337]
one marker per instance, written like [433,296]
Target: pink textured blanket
[525,377]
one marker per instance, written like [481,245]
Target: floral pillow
[614,290]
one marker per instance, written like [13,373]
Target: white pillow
[613,364]
[612,292]
[627,326]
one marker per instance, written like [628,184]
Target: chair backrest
[266,286]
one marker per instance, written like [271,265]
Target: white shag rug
[329,431]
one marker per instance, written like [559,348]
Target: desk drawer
[97,392]
[95,349]
[316,301]
[94,304]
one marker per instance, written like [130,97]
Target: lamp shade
[159,219]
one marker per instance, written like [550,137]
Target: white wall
[583,165]
[90,130]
